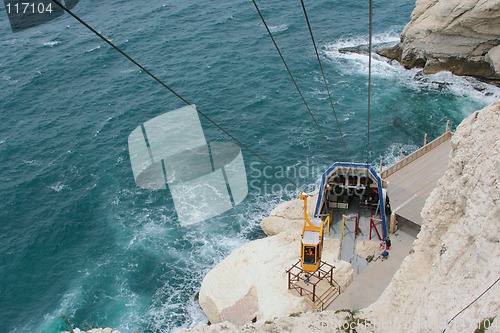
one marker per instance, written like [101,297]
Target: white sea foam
[58,187]
[68,306]
[278,28]
[392,153]
[9,79]
[351,63]
[128,70]
[463,86]
[388,37]
[52,43]
[94,48]
[32,162]
[197,248]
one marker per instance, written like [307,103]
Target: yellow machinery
[311,245]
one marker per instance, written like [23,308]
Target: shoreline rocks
[460,36]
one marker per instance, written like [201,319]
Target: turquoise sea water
[78,237]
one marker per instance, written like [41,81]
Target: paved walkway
[410,186]
[369,285]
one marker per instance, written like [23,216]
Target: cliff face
[457,254]
[454,260]
[461,36]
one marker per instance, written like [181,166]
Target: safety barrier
[412,157]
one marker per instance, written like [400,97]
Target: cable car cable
[288,68]
[369,80]
[474,301]
[167,87]
[324,77]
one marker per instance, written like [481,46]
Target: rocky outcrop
[460,36]
[457,254]
[454,260]
[250,284]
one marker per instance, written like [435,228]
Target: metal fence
[412,157]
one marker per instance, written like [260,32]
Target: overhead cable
[324,77]
[204,115]
[369,81]
[288,69]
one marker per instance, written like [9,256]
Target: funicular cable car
[311,244]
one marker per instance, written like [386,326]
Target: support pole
[370,237]
[393,223]
[373,226]
[425,139]
[343,225]
[330,217]
[356,228]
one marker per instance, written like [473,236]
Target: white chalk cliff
[454,260]
[457,254]
[460,36]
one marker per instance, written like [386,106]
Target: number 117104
[28,8]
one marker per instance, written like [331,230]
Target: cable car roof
[310,237]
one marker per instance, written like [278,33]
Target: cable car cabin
[312,240]
[311,247]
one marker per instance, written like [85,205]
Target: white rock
[365,248]
[452,35]
[252,281]
[493,57]
[456,256]
[288,216]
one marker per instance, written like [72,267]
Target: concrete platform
[410,185]
[371,283]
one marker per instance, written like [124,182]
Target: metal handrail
[418,153]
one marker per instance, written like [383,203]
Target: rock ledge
[460,36]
